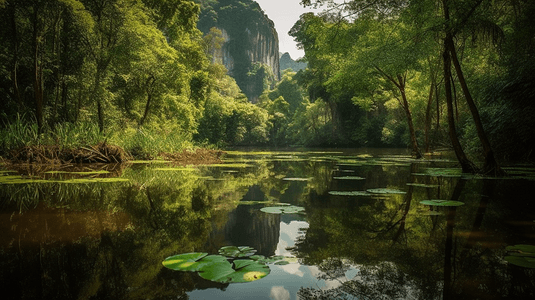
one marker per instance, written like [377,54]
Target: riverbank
[102,153]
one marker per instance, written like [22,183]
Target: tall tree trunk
[400,83]
[96,96]
[428,115]
[37,84]
[490,166]
[414,142]
[466,164]
[15,35]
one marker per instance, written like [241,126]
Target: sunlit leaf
[184,262]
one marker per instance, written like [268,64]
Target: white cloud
[279,293]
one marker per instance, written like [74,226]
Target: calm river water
[359,229]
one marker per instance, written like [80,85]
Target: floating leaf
[296,179]
[349,193]
[423,185]
[78,173]
[184,262]
[233,251]
[175,169]
[528,249]
[442,202]
[247,271]
[441,172]
[276,259]
[385,191]
[349,178]
[526,262]
[291,209]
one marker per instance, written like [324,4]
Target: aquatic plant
[232,265]
[521,255]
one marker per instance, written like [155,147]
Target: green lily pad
[236,165]
[385,191]
[525,249]
[291,209]
[443,172]
[79,173]
[349,193]
[244,270]
[442,202]
[184,262]
[276,259]
[521,255]
[424,185]
[175,169]
[526,262]
[296,179]
[349,178]
[233,251]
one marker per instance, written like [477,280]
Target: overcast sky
[284,14]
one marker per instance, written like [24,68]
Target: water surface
[104,235]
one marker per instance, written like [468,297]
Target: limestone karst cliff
[250,50]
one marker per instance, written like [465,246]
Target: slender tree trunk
[428,115]
[414,142]
[400,83]
[15,36]
[96,96]
[466,164]
[490,166]
[146,113]
[37,85]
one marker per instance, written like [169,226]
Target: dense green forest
[430,74]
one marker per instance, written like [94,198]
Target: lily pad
[424,185]
[385,191]
[93,180]
[185,262]
[244,270]
[443,172]
[442,202]
[349,193]
[526,262]
[79,173]
[233,251]
[278,260]
[349,178]
[175,169]
[521,255]
[291,209]
[296,179]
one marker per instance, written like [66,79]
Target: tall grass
[145,142]
[149,142]
[20,133]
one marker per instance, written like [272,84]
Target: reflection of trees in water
[166,213]
[401,254]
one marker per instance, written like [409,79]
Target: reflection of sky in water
[282,283]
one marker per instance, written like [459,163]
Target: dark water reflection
[107,240]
